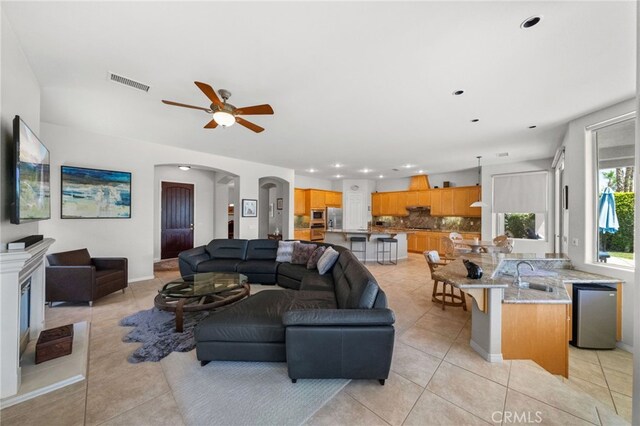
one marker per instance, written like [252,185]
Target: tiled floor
[436,377]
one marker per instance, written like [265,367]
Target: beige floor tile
[463,356]
[608,417]
[159,411]
[521,409]
[617,359]
[583,354]
[413,364]
[392,402]
[452,312]
[623,405]
[66,412]
[344,410]
[116,386]
[478,395]
[427,341]
[619,382]
[600,393]
[465,334]
[440,324]
[434,410]
[63,396]
[529,378]
[587,371]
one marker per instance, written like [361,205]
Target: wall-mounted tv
[31,183]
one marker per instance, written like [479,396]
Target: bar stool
[458,300]
[384,241]
[362,240]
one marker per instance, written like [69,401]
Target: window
[614,167]
[520,201]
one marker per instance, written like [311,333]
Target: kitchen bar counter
[519,323]
[342,237]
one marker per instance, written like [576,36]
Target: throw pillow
[302,252]
[285,251]
[327,260]
[315,256]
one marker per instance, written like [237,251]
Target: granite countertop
[368,231]
[557,275]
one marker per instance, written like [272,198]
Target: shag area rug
[243,393]
[156,330]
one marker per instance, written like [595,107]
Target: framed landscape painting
[95,194]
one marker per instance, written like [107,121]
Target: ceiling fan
[225,114]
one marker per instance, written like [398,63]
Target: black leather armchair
[74,276]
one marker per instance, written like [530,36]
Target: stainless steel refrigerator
[334,218]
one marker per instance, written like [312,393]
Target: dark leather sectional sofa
[336,325]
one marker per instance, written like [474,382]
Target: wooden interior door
[176,219]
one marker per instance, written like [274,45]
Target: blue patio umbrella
[607,218]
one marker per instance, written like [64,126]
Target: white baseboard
[148,277]
[624,347]
[484,354]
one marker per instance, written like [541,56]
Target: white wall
[134,238]
[314,183]
[580,177]
[20,95]
[489,218]
[467,177]
[203,203]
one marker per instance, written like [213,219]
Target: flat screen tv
[31,183]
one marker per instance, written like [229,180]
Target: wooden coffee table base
[180,305]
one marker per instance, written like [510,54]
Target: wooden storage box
[54,343]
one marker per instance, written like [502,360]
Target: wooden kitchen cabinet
[333,199]
[316,199]
[455,201]
[424,198]
[401,204]
[376,204]
[299,201]
[302,234]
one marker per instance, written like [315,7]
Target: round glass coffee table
[199,292]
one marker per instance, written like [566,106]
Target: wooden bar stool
[434,261]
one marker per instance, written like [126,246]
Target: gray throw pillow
[315,256]
[302,252]
[285,251]
[327,260]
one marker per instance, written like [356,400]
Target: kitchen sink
[534,286]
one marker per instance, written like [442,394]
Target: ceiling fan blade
[249,125]
[210,93]
[186,106]
[211,125]
[255,110]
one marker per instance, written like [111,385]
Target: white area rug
[243,393]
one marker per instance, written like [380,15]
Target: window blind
[520,192]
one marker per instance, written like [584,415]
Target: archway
[273,193]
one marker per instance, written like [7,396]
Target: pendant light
[478,203]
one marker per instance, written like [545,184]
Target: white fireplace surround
[15,267]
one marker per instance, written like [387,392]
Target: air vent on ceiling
[128,82]
[396,170]
[502,154]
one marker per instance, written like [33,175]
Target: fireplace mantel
[15,267]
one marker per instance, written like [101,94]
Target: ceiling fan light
[478,203]
[224,118]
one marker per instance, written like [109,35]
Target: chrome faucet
[518,281]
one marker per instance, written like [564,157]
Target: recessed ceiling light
[458,92]
[185,167]
[408,166]
[530,22]
[380,176]
[365,170]
[312,170]
[420,171]
[337,165]
[532,127]
[475,120]
[338,176]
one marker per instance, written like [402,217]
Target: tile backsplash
[422,219]
[301,221]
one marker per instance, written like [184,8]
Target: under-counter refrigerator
[594,316]
[334,218]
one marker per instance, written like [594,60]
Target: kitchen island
[510,322]
[342,237]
